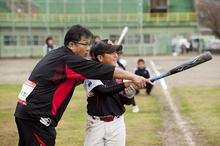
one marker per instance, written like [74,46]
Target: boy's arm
[111,90]
[108,91]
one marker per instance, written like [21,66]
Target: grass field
[141,128]
[202,105]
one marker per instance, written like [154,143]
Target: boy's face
[141,65]
[109,58]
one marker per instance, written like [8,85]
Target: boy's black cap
[105,46]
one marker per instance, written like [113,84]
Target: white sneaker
[135,109]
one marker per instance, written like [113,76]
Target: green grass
[202,105]
[141,127]
[8,98]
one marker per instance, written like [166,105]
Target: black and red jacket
[55,78]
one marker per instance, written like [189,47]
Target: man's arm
[80,68]
[138,80]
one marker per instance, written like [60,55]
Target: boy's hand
[127,84]
[130,91]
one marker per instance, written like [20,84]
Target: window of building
[42,40]
[29,40]
[115,37]
[131,39]
[147,38]
[7,40]
[35,41]
[23,41]
[158,6]
[10,40]
[56,40]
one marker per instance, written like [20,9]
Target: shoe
[135,109]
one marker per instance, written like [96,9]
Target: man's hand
[141,81]
[138,80]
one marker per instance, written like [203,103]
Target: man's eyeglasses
[87,45]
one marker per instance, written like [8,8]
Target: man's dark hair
[47,39]
[75,33]
[141,60]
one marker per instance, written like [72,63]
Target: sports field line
[178,119]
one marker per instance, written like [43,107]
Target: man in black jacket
[47,92]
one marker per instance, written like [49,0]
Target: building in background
[24,24]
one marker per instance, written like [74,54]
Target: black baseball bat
[189,64]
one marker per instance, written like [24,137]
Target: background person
[145,72]
[48,46]
[121,63]
[95,41]
[183,48]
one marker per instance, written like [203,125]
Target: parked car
[215,44]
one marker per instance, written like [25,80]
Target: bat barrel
[192,62]
[207,56]
[189,64]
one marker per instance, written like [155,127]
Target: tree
[209,15]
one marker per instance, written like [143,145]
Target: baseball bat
[122,34]
[189,64]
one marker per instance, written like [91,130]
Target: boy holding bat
[106,99]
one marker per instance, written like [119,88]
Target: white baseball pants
[100,133]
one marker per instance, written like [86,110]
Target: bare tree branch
[209,15]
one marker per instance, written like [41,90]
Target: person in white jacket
[49,46]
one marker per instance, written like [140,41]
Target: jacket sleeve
[80,68]
[108,91]
[150,74]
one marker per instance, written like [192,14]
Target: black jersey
[108,105]
[51,84]
[146,72]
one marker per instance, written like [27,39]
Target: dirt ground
[17,71]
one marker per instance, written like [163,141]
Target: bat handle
[160,76]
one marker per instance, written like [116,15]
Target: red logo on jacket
[118,81]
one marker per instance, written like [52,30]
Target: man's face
[82,47]
[141,65]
